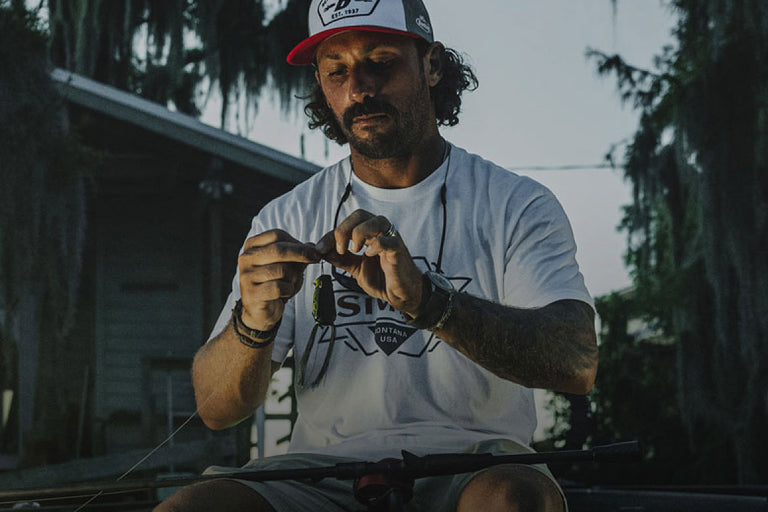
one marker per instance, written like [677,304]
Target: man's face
[377,88]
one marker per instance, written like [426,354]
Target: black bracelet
[252,338]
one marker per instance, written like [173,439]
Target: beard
[407,126]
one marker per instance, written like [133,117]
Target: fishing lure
[323,301]
[324,313]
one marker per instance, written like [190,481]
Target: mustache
[369,106]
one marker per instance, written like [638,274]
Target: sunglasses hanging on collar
[324,301]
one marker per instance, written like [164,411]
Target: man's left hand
[385,269]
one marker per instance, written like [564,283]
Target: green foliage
[42,198]
[697,242]
[179,51]
[175,52]
[41,202]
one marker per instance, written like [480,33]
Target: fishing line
[324,314]
[152,452]
[73,497]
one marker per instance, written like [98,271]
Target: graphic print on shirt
[373,327]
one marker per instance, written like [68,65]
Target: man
[443,325]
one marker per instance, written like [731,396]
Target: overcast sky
[540,103]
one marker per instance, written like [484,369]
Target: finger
[254,293]
[283,239]
[383,243]
[348,262]
[326,244]
[367,232]
[359,229]
[279,251]
[343,232]
[297,276]
[290,272]
[264,290]
[269,237]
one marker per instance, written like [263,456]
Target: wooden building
[167,212]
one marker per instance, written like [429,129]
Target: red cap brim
[304,53]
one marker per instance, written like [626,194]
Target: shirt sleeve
[541,265]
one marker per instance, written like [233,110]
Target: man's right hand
[271,272]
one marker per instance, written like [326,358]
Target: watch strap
[435,308]
[447,313]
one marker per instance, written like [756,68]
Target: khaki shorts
[431,494]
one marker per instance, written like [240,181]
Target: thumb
[348,261]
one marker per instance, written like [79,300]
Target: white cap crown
[328,17]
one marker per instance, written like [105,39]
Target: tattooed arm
[553,347]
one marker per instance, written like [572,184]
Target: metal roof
[180,127]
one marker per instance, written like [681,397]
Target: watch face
[440,281]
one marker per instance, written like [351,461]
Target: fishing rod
[388,478]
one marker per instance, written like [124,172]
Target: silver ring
[392,231]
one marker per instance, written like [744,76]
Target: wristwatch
[436,302]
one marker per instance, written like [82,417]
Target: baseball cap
[329,17]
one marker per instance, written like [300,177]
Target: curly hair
[446,95]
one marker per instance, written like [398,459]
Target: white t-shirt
[389,386]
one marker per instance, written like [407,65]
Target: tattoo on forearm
[547,347]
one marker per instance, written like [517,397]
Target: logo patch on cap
[331,11]
[422,22]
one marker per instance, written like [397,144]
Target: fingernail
[339,248]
